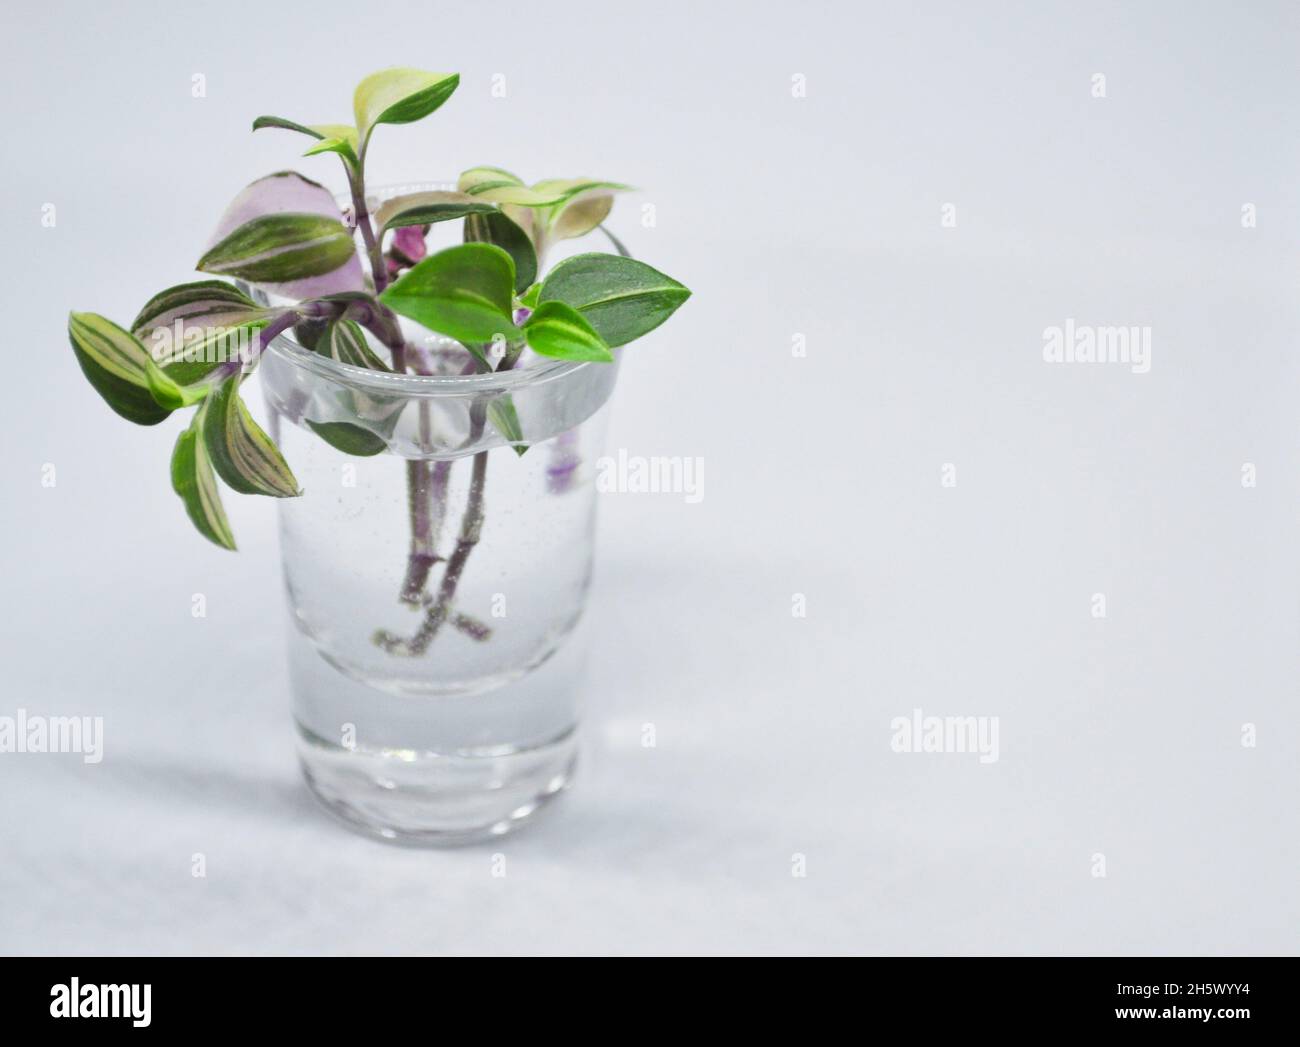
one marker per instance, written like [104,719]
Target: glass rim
[422,385]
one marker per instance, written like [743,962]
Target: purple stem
[265,336]
[378,271]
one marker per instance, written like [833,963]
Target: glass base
[435,799]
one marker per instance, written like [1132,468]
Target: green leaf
[558,330]
[169,393]
[335,138]
[244,456]
[348,438]
[345,341]
[529,298]
[623,298]
[502,414]
[278,247]
[117,365]
[496,228]
[464,292]
[428,208]
[217,323]
[399,96]
[194,481]
[342,146]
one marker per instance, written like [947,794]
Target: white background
[816,216]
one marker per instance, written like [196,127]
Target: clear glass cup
[436,580]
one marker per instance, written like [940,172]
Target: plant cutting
[434,415]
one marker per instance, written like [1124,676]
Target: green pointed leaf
[529,298]
[244,456]
[192,328]
[621,297]
[169,393]
[399,96]
[559,330]
[428,208]
[279,247]
[194,481]
[117,365]
[335,138]
[348,438]
[496,228]
[342,146]
[503,416]
[345,341]
[464,292]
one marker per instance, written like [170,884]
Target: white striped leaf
[399,96]
[117,365]
[279,247]
[428,208]
[194,481]
[559,330]
[243,455]
[192,328]
[344,340]
[287,192]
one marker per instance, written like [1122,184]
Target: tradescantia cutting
[286,258]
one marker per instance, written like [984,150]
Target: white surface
[818,216]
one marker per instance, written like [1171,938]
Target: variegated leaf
[193,328]
[428,208]
[117,365]
[288,192]
[244,456]
[580,215]
[195,482]
[281,247]
[558,330]
[345,341]
[399,96]
[484,175]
